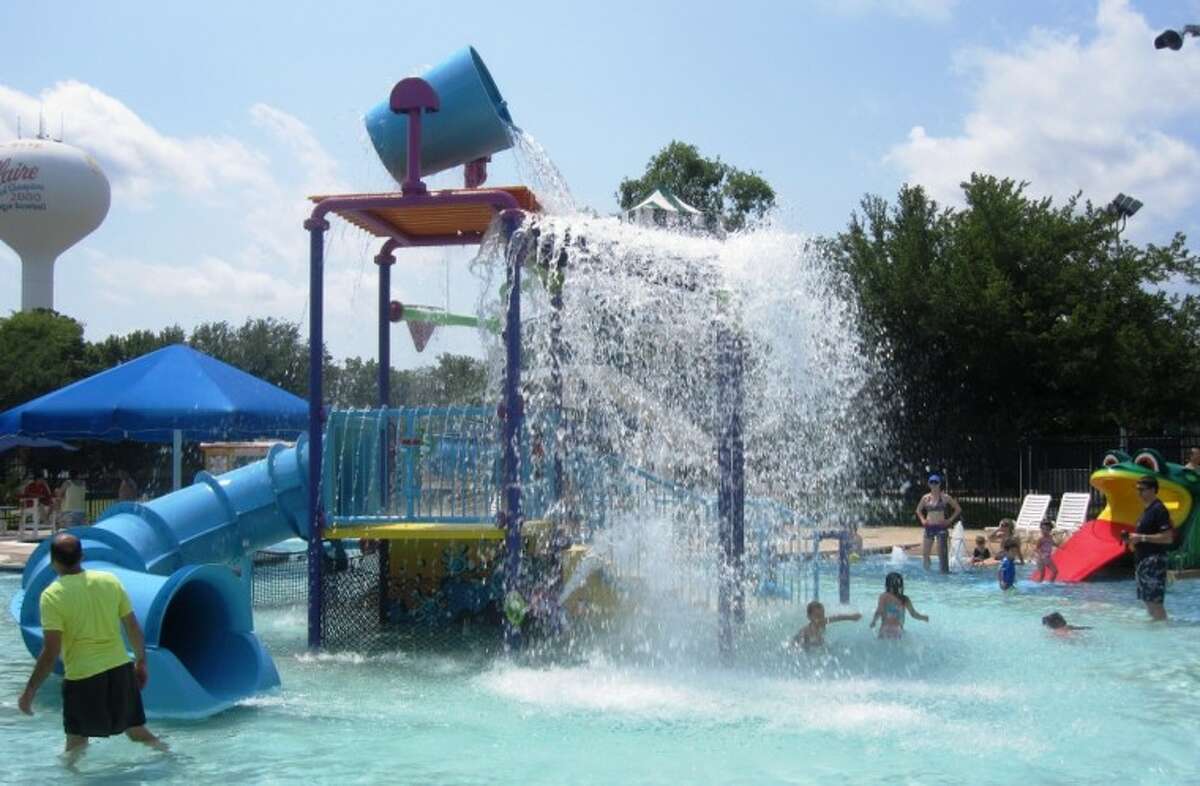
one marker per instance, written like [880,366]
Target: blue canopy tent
[169,395]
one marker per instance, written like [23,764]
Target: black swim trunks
[1151,576]
[104,704]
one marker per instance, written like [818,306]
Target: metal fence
[990,474]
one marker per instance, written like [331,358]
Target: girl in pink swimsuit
[1045,554]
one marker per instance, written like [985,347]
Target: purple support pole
[385,259]
[731,490]
[844,569]
[316,357]
[512,416]
[557,271]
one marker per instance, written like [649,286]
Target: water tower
[52,195]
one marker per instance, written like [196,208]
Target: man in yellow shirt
[82,616]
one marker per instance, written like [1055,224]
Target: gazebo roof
[664,199]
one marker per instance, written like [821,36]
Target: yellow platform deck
[428,220]
[428,530]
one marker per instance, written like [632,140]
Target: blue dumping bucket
[473,121]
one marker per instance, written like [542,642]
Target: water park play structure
[421,521]
[487,514]
[1098,544]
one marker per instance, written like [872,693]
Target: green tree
[40,351]
[454,379]
[112,350]
[1017,316]
[271,349]
[723,192]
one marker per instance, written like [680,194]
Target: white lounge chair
[1033,510]
[1072,511]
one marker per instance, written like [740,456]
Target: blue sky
[214,120]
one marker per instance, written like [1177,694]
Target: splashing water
[631,355]
[536,168]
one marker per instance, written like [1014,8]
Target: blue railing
[442,465]
[422,464]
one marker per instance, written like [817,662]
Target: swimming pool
[981,694]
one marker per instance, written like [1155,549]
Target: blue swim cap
[935,478]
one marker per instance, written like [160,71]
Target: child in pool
[1058,623]
[812,635]
[893,603]
[1045,554]
[981,554]
[1007,575]
[1007,528]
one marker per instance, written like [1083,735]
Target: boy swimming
[813,634]
[1058,623]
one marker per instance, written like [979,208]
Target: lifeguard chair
[30,514]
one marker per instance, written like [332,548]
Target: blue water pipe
[471,123]
[174,555]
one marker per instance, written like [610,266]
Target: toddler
[981,553]
[1007,575]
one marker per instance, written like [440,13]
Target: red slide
[1093,546]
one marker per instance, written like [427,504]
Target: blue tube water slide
[174,556]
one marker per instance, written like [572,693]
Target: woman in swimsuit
[937,511]
[893,604]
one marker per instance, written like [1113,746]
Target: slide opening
[197,630]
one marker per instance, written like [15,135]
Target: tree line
[42,351]
[1012,315]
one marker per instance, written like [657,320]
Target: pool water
[981,694]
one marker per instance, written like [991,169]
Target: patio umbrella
[169,395]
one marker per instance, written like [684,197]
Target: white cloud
[1071,113]
[139,160]
[241,251]
[255,196]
